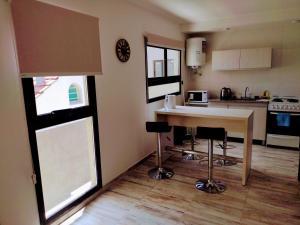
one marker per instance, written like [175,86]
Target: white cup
[170,102]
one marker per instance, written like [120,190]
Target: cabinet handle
[291,114]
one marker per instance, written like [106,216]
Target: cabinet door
[259,121]
[218,105]
[255,58]
[226,60]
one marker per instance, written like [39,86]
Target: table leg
[247,153]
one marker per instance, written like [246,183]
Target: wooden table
[234,120]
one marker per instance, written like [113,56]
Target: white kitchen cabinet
[242,59]
[255,58]
[259,117]
[226,60]
[259,121]
[218,104]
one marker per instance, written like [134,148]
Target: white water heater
[195,52]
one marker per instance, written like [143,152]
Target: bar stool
[226,161]
[209,184]
[187,138]
[159,172]
[191,133]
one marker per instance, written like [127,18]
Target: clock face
[123,50]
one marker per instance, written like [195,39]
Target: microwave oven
[199,96]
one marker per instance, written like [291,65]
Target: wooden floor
[272,195]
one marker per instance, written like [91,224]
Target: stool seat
[159,172]
[158,127]
[210,133]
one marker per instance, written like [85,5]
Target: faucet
[246,89]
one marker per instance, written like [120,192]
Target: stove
[283,122]
[284,104]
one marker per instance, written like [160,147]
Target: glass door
[63,131]
[284,123]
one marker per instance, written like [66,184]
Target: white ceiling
[212,15]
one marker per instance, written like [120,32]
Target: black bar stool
[159,172]
[209,184]
[226,161]
[192,138]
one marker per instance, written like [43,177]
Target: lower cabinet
[259,119]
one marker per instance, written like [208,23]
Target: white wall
[282,79]
[121,97]
[17,194]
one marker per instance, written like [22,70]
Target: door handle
[294,114]
[290,114]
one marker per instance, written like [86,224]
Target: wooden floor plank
[272,195]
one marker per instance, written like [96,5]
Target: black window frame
[36,122]
[161,80]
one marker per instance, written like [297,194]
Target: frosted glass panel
[67,162]
[173,62]
[56,93]
[164,89]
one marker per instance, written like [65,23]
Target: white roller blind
[157,40]
[54,40]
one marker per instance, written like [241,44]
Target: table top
[238,114]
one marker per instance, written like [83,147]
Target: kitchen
[265,80]
[256,99]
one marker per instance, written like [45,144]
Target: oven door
[284,123]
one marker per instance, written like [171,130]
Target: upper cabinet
[226,60]
[242,59]
[255,58]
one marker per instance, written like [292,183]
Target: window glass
[173,57]
[155,62]
[65,150]
[164,89]
[56,93]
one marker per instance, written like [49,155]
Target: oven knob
[277,106]
[287,107]
[282,107]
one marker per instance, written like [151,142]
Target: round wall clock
[123,50]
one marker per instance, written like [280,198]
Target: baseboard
[284,147]
[241,140]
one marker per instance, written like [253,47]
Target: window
[163,72]
[64,141]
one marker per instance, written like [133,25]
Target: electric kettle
[225,94]
[170,102]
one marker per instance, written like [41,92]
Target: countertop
[238,114]
[261,102]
